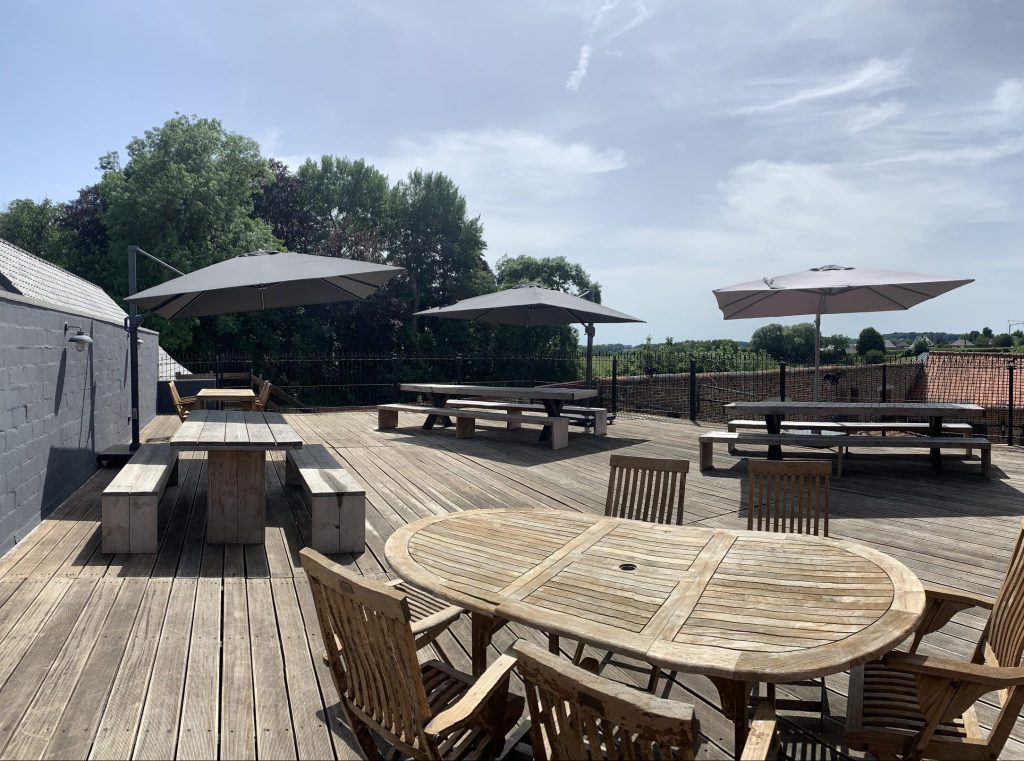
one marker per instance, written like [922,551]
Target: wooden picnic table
[553,399]
[739,607]
[245,397]
[774,412]
[237,443]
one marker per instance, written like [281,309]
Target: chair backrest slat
[790,497]
[264,396]
[649,489]
[176,398]
[577,714]
[371,650]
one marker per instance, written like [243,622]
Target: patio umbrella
[831,289]
[264,280]
[530,304]
[246,283]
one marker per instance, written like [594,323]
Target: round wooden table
[740,607]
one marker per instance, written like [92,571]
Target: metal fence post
[885,383]
[459,366]
[782,381]
[1010,367]
[394,378]
[615,385]
[693,390]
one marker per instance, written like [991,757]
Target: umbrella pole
[133,343]
[589,328]
[817,351]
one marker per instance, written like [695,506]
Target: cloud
[863,116]
[965,155]
[577,75]
[1009,96]
[875,76]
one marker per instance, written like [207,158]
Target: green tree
[554,272]
[35,227]
[186,195]
[770,339]
[799,343]
[987,332]
[869,339]
[1002,341]
[874,356]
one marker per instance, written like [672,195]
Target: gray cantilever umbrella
[831,289]
[246,283]
[264,280]
[528,305]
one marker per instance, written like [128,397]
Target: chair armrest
[762,733]
[934,592]
[995,677]
[493,683]
[426,629]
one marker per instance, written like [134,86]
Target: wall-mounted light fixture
[79,339]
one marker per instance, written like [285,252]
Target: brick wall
[58,406]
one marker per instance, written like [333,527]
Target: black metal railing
[659,382]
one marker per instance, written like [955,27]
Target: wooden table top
[922,409]
[731,604]
[227,394]
[235,429]
[506,392]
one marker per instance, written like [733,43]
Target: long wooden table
[936,412]
[740,607]
[237,443]
[243,396]
[553,399]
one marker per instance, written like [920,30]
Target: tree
[919,347]
[987,332]
[1002,341]
[441,248]
[834,348]
[34,226]
[874,356]
[770,339]
[186,196]
[799,343]
[869,339]
[554,272]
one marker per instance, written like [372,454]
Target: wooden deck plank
[144,679]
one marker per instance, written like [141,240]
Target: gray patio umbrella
[264,280]
[246,283]
[831,289]
[530,304]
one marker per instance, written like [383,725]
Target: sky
[669,147]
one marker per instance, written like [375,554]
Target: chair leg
[578,655]
[652,682]
[553,644]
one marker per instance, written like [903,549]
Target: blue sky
[670,147]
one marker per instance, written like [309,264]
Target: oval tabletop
[730,604]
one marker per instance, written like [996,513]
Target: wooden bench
[963,429]
[843,442]
[336,501]
[594,417]
[130,503]
[465,420]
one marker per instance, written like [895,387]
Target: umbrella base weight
[116,456]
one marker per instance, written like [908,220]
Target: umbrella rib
[888,298]
[190,302]
[759,298]
[343,290]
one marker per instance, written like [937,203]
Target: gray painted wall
[58,406]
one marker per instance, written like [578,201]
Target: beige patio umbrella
[831,289]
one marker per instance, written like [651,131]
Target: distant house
[961,343]
[893,345]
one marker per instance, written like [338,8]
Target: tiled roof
[36,278]
[970,378]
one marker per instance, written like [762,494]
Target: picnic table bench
[843,442]
[594,417]
[130,502]
[336,501]
[465,428]
[963,429]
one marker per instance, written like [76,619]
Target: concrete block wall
[59,406]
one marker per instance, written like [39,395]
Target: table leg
[236,497]
[773,424]
[483,628]
[438,400]
[553,408]
[935,429]
[733,696]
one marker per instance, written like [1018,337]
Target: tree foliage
[868,340]
[795,343]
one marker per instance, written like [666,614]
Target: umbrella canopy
[264,280]
[831,289]
[528,305]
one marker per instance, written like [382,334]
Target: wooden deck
[202,651]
